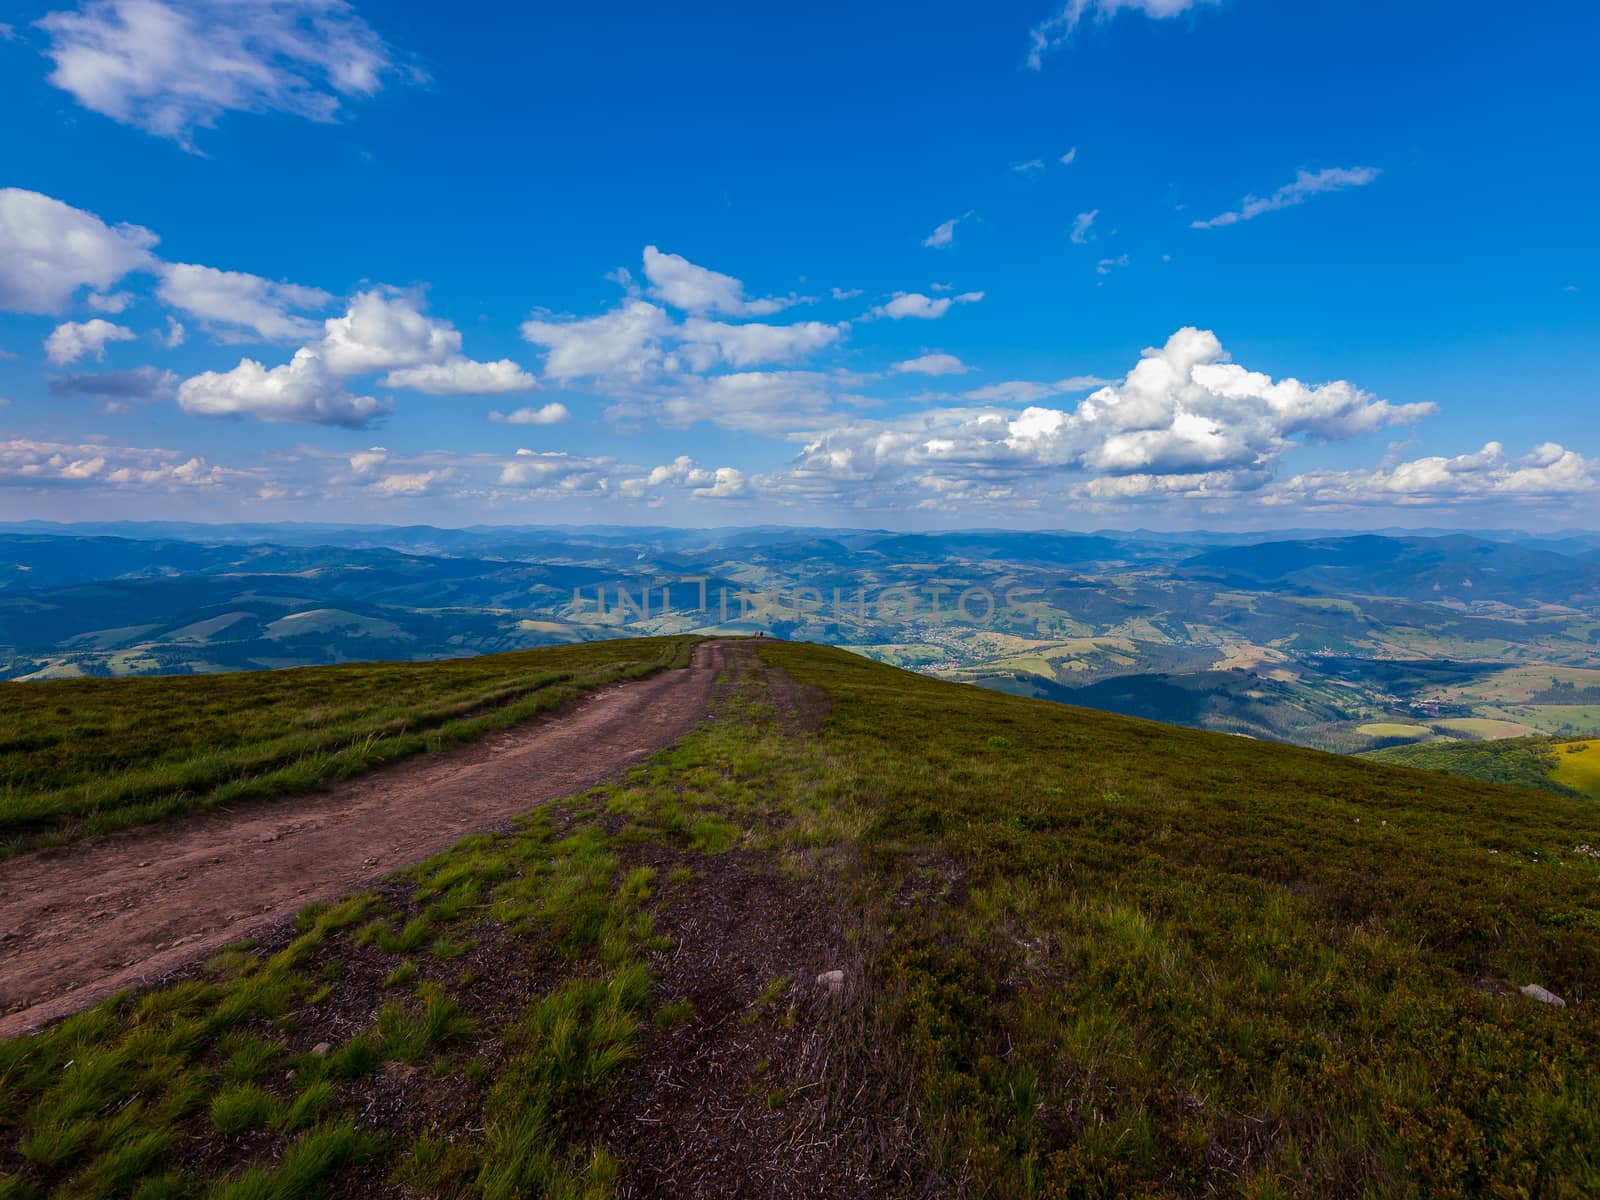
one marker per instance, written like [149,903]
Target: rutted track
[81,922]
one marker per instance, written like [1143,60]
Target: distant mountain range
[1345,642]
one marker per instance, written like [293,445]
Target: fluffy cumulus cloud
[1303,187]
[551,474]
[625,342]
[684,474]
[411,483]
[547,414]
[919,307]
[1058,30]
[698,369]
[236,306]
[932,364]
[1184,412]
[706,343]
[48,250]
[1082,224]
[1549,471]
[72,340]
[457,376]
[676,281]
[382,331]
[59,464]
[172,66]
[303,389]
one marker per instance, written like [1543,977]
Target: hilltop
[867,932]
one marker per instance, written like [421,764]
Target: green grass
[1257,974]
[79,757]
[1520,762]
[1097,957]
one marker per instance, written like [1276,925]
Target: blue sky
[1125,262]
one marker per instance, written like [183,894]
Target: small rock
[832,980]
[322,1049]
[1534,992]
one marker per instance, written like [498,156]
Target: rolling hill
[869,932]
[1332,642]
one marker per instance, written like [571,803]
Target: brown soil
[121,911]
[776,1086]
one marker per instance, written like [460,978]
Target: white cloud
[58,464]
[1029,167]
[237,306]
[550,414]
[554,473]
[411,483]
[852,293]
[49,249]
[753,343]
[303,389]
[171,66]
[383,330]
[676,281]
[943,235]
[1306,185]
[1549,471]
[73,340]
[920,307]
[1183,411]
[623,342]
[932,364]
[720,483]
[1058,30]
[463,377]
[175,334]
[365,462]
[1106,265]
[1070,157]
[1081,224]
[114,303]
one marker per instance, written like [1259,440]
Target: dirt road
[81,922]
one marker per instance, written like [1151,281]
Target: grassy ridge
[1098,956]
[1150,961]
[79,757]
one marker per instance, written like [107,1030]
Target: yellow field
[1386,729]
[1486,728]
[1578,766]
